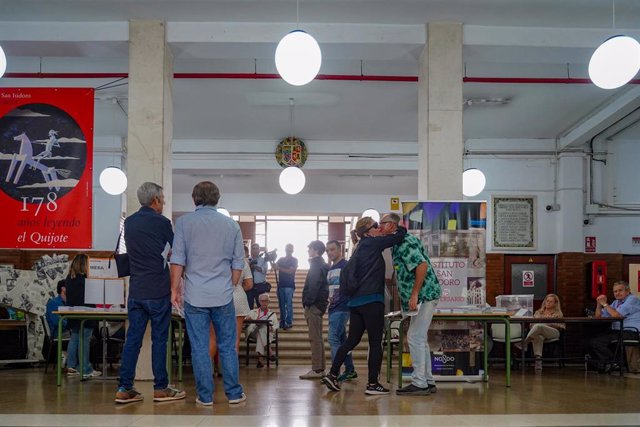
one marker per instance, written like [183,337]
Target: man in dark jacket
[315,298]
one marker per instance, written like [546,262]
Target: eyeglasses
[374,225]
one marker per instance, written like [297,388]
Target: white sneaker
[241,399]
[72,372]
[92,374]
[537,366]
[200,402]
[312,375]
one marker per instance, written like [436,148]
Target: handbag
[122,261]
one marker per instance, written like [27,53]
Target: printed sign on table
[46,162]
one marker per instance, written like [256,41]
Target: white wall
[557,231]
[106,208]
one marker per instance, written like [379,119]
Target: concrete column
[150,130]
[440,139]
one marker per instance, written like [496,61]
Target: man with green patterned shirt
[419,294]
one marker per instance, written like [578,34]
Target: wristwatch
[605,305]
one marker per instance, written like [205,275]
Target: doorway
[529,274]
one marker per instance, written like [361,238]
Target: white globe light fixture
[224,212]
[292,180]
[374,214]
[473,182]
[113,181]
[3,62]
[298,58]
[615,62]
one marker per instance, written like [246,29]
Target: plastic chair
[498,335]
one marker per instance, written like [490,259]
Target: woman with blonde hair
[78,272]
[366,303]
[541,332]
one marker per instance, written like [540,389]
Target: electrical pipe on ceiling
[333,77]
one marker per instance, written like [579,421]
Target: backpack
[348,281]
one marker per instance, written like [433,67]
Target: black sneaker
[375,389]
[413,390]
[432,388]
[331,381]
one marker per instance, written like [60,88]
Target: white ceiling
[357,36]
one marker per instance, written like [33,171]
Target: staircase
[294,344]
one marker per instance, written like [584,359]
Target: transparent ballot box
[516,305]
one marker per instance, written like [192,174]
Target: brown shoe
[127,396]
[167,394]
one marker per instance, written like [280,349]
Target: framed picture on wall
[514,222]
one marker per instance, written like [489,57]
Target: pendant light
[113,180]
[473,182]
[616,61]
[298,56]
[3,62]
[374,214]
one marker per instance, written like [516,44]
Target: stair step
[294,347]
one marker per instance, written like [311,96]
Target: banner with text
[46,167]
[454,235]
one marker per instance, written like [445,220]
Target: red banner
[46,167]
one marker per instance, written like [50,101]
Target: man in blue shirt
[625,305]
[338,309]
[148,236]
[259,267]
[208,252]
[287,267]
[53,305]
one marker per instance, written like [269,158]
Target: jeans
[419,345]
[369,317]
[140,311]
[338,335]
[285,301]
[224,323]
[74,344]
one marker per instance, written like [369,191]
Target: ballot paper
[412,313]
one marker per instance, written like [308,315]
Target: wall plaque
[514,222]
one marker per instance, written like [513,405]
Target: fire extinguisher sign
[590,244]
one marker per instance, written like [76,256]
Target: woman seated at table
[542,332]
[75,297]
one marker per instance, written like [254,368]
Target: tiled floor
[276,397]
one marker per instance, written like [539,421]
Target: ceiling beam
[327,33]
[607,115]
[116,31]
[477,35]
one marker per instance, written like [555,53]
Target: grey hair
[622,283]
[148,192]
[394,217]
